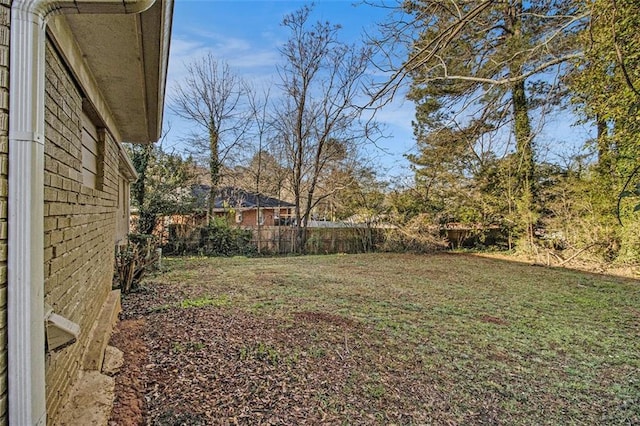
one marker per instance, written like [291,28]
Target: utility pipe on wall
[25,272]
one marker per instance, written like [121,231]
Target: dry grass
[387,338]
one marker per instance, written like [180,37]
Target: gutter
[25,287]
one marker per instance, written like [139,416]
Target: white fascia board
[126,165]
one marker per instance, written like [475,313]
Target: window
[92,147]
[238,217]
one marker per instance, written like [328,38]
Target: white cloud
[183,52]
[240,54]
[256,59]
[399,114]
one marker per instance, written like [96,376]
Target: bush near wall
[219,239]
[133,260]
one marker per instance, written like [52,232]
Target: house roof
[127,55]
[240,199]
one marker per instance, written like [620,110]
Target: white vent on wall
[60,332]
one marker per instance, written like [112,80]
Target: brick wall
[250,217]
[79,225]
[5,14]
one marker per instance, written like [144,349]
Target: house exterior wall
[249,218]
[270,215]
[79,224]
[5,15]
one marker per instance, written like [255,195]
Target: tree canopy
[485,77]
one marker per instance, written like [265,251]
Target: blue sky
[247,33]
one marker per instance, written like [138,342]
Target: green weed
[218,302]
[260,352]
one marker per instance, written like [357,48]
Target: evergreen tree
[163,186]
[481,70]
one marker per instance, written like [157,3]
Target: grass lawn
[387,339]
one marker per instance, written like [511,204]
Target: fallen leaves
[219,365]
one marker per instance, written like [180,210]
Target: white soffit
[127,55]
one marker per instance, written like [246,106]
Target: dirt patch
[128,409]
[218,366]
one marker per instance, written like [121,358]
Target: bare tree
[261,132]
[213,98]
[322,80]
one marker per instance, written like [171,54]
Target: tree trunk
[604,153]
[298,242]
[524,147]
[522,125]
[214,171]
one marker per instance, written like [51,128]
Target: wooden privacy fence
[282,239]
[186,238]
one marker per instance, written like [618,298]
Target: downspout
[25,257]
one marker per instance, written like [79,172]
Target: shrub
[133,260]
[419,235]
[220,239]
[630,243]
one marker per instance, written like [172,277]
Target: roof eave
[127,56]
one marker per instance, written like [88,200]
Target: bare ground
[215,366]
[130,386]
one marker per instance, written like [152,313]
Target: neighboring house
[249,209]
[77,78]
